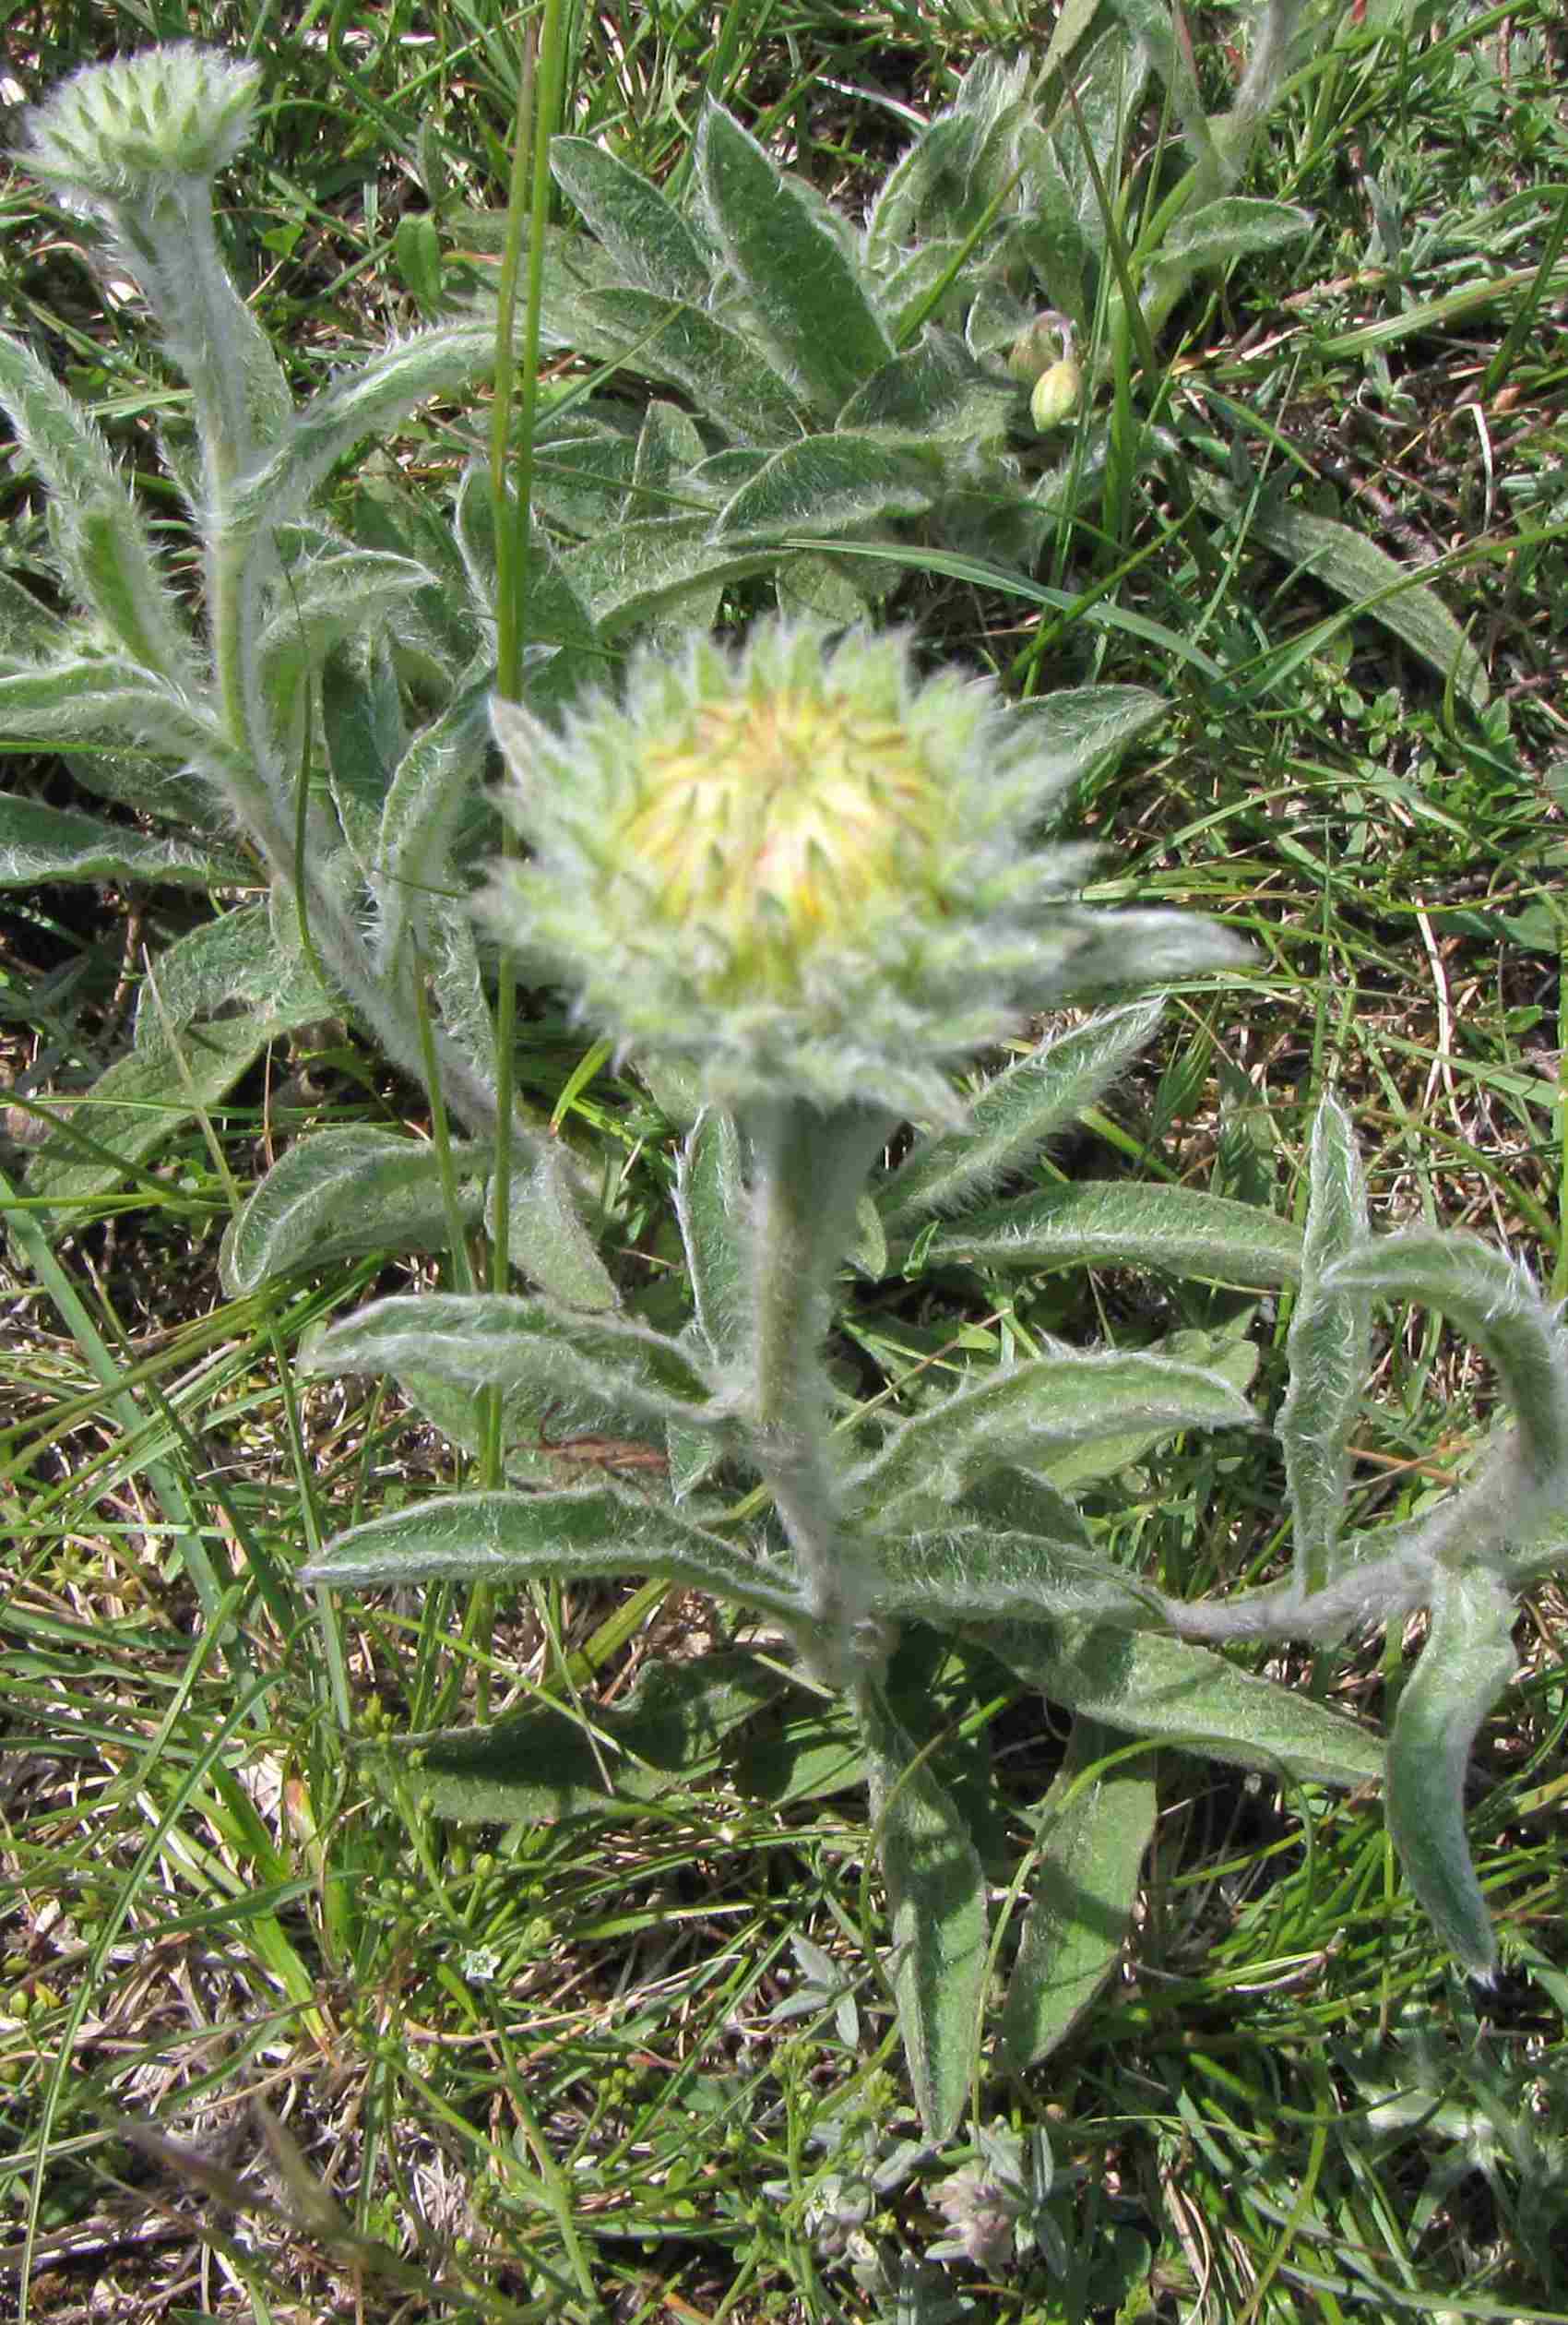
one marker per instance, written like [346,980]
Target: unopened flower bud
[1055,395]
[112,133]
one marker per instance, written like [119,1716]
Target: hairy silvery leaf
[229,964]
[1494,1300]
[1233,227]
[548,1762]
[829,484]
[1030,1410]
[726,378]
[1467,1662]
[99,532]
[1153,1686]
[29,632]
[1113,1223]
[436,779]
[1015,1113]
[1222,1354]
[39,844]
[1080,731]
[363,402]
[546,1238]
[344,1193]
[936,1905]
[501,1538]
[137,1105]
[96,695]
[935,390]
[326,602]
[914,189]
[1368,578]
[583,471]
[639,570]
[975,1573]
[1096,1823]
[811,310]
[670,446]
[1330,1351]
[653,247]
[711,1204]
[591,1369]
[361,725]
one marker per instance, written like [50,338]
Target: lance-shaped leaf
[1096,1822]
[726,378]
[807,304]
[1113,1223]
[544,1764]
[363,402]
[547,1239]
[943,1575]
[39,844]
[340,1194]
[1495,1301]
[936,1902]
[1233,1360]
[1373,582]
[1467,1661]
[1165,1687]
[1233,227]
[231,964]
[138,1104]
[1077,731]
[933,392]
[507,1538]
[637,571]
[650,241]
[1028,1411]
[711,1204]
[1330,1351]
[829,483]
[96,695]
[591,1368]
[1014,1115]
[436,779]
[101,540]
[326,601]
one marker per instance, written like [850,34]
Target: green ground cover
[631,2052]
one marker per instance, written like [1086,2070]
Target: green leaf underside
[540,1766]
[342,1193]
[937,1903]
[501,1538]
[547,1240]
[1109,1224]
[658,339]
[592,1369]
[1148,1685]
[1097,1823]
[1467,1662]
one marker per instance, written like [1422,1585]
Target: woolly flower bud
[802,869]
[114,132]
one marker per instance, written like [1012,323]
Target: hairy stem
[808,1168]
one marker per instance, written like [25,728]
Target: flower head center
[787,822]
